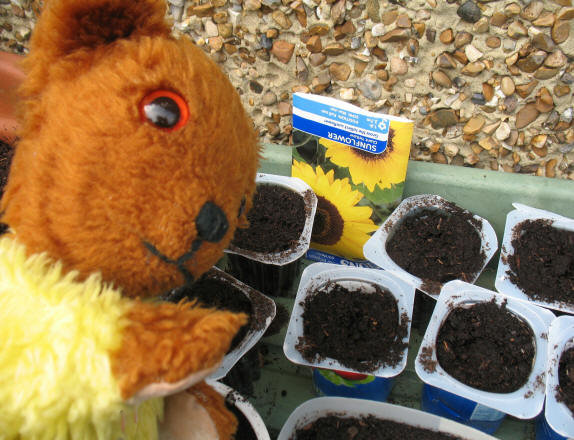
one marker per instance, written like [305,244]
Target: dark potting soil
[276,220]
[359,329]
[246,371]
[212,291]
[244,429]
[542,264]
[438,245]
[333,427]
[6,153]
[565,391]
[280,320]
[487,347]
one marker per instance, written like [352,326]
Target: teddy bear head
[136,157]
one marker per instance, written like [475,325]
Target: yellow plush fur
[57,333]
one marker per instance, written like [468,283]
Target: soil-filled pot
[545,432]
[250,423]
[350,319]
[537,258]
[559,409]
[335,418]
[429,241]
[221,290]
[266,255]
[487,348]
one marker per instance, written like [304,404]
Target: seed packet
[356,163]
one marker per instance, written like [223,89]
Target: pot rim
[253,335]
[375,248]
[514,218]
[524,403]
[316,275]
[246,408]
[560,339]
[282,258]
[313,409]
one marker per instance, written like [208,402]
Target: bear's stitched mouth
[179,263]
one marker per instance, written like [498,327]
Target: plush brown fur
[167,342]
[103,181]
[224,421]
[100,189]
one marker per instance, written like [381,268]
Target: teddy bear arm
[178,344]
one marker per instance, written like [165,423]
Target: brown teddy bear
[135,164]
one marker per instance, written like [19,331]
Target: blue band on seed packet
[324,257]
[365,131]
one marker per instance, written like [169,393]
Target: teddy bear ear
[68,26]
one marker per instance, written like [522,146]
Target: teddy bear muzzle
[211,225]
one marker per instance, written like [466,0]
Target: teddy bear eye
[164,109]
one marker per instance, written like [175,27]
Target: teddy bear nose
[211,222]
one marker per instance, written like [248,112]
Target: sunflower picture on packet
[356,162]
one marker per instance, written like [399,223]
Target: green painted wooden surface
[283,385]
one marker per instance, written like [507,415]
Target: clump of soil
[212,291]
[333,427]
[542,264]
[358,328]
[438,245]
[244,429]
[487,347]
[276,220]
[565,391]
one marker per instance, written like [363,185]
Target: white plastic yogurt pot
[514,219]
[375,248]
[316,276]
[284,257]
[244,406]
[524,403]
[314,409]
[560,339]
[263,312]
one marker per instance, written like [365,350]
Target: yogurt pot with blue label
[473,334]
[349,327]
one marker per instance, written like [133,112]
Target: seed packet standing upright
[356,162]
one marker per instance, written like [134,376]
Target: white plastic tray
[560,339]
[375,248]
[287,256]
[314,409]
[264,309]
[524,403]
[318,274]
[243,405]
[513,219]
